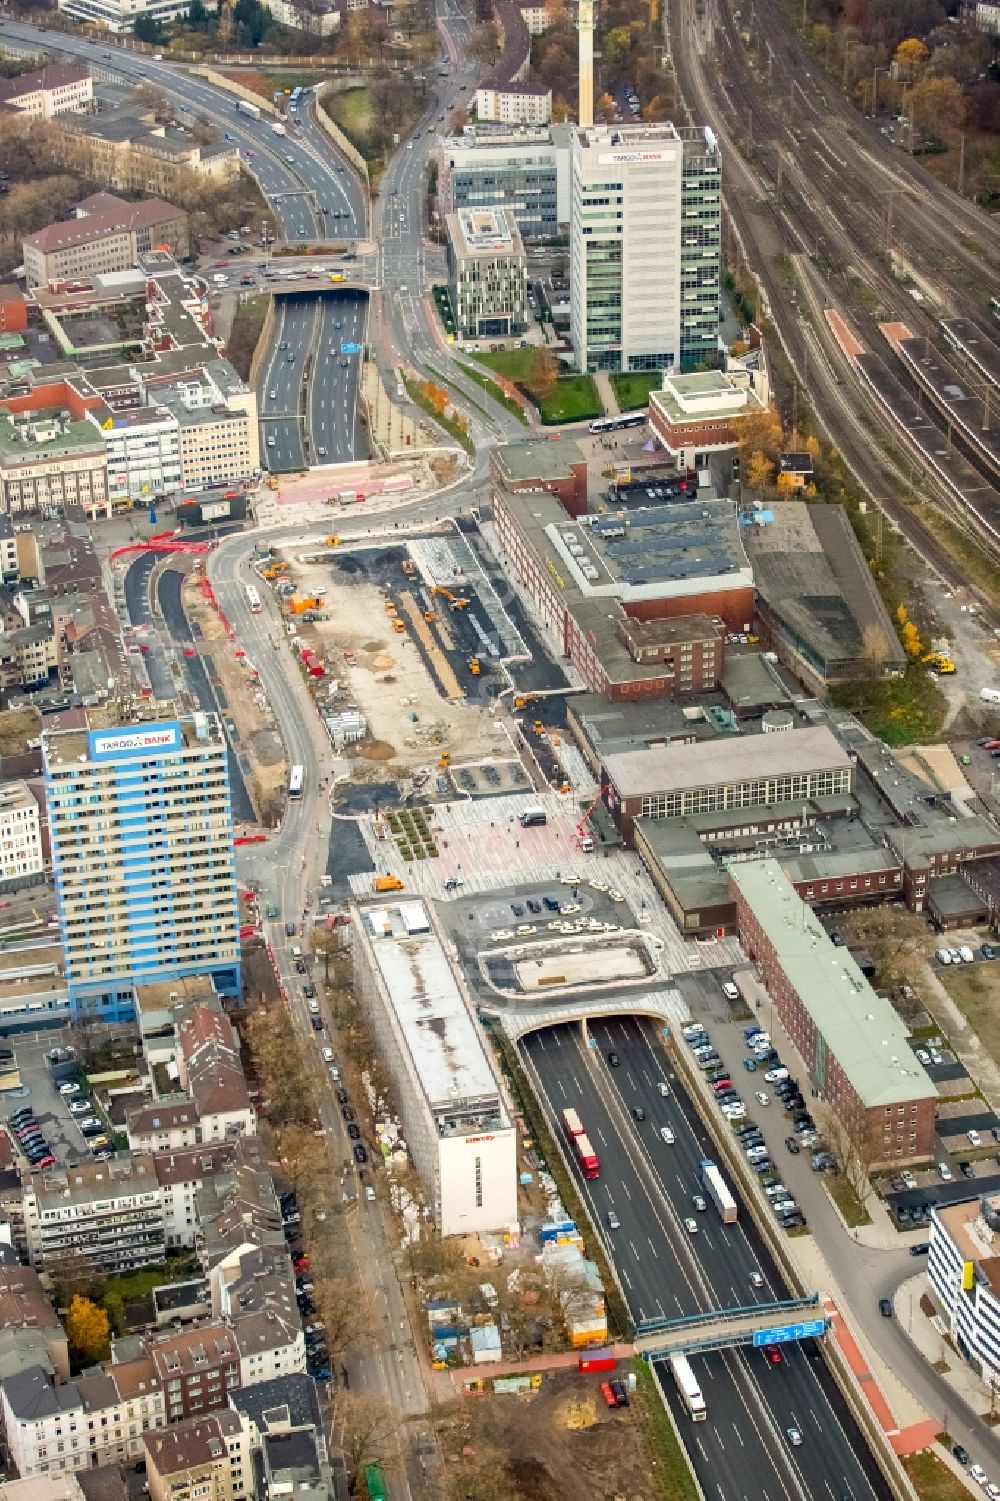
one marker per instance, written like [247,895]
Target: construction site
[404,648]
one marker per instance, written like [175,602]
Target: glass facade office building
[645,246]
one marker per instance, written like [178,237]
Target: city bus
[295,780]
[612,424]
[688,1387]
[253,599]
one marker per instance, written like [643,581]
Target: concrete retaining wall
[346,148]
[263,344]
[266,106]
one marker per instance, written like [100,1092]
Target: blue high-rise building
[141,831]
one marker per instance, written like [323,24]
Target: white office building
[144,455]
[963,1267]
[21,859]
[141,830]
[645,245]
[456,1118]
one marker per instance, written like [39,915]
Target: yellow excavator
[455,600]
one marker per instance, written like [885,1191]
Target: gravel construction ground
[561,1442]
[388,681]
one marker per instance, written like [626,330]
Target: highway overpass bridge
[759,1324]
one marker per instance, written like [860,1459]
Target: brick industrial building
[851,1040]
[639,600]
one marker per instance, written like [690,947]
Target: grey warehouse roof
[676,768]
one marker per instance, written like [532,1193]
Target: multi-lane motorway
[743,1449]
[308,387]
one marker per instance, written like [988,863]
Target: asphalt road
[287,869]
[743,1448]
[333,386]
[281,393]
[408,324]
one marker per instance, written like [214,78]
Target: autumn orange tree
[88,1332]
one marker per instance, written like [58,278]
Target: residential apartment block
[22,862]
[853,1043]
[645,245]
[96,1418]
[106,234]
[108,1214]
[514,103]
[56,89]
[201,1459]
[142,853]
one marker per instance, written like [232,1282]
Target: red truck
[580,1142]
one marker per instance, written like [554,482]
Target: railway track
[756,138]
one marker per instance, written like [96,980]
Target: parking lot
[40,1080]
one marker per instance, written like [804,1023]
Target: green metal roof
[860,1029]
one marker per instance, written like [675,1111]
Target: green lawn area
[672,1475]
[574,398]
[493,390]
[848,1203]
[129,1287]
[932,1479]
[352,111]
[973,988]
[906,712]
[633,387]
[448,423]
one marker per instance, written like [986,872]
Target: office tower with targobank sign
[645,241]
[141,831]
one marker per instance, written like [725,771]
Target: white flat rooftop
[446,1050]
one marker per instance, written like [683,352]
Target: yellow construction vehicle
[538,727]
[444,759]
[273,570]
[474,666]
[333,541]
[398,626]
[299,606]
[454,600]
[939,663]
[523,699]
[390,608]
[387,883]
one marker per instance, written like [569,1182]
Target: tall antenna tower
[585,28]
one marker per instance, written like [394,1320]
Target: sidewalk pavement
[606,392]
[567,1361]
[921,1329]
[902,1418]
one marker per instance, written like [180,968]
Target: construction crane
[581,839]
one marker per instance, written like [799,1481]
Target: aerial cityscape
[499,750]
